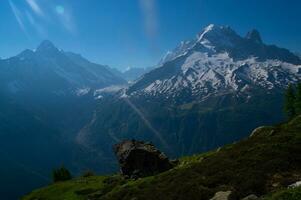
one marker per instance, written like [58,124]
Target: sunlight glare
[60,9]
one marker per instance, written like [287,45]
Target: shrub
[88,173]
[61,174]
[290,102]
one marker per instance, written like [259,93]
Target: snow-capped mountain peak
[214,35]
[212,38]
[215,30]
[219,39]
[220,61]
[205,31]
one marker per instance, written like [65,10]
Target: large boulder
[222,195]
[140,159]
[297,184]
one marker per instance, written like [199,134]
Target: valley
[58,108]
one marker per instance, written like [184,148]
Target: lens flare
[148,123]
[60,9]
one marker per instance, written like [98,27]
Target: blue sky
[137,33]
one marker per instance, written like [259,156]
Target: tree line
[292,103]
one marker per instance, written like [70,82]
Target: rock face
[297,184]
[219,62]
[140,159]
[222,195]
[251,197]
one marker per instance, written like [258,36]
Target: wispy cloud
[35,7]
[148,123]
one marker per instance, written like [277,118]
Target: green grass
[187,161]
[287,194]
[69,190]
[262,164]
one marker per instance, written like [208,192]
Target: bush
[88,173]
[61,174]
[287,194]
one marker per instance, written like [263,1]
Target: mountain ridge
[199,99]
[264,165]
[224,37]
[47,96]
[214,55]
[202,96]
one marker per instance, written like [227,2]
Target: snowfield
[217,61]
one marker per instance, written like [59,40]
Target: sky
[138,33]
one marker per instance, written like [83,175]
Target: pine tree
[290,100]
[298,99]
[61,174]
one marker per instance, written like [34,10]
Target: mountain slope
[219,61]
[266,162]
[46,98]
[56,86]
[50,70]
[132,74]
[27,150]
[208,92]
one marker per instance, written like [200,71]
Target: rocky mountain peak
[219,61]
[214,33]
[254,35]
[47,47]
[26,54]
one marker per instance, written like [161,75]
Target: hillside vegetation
[263,164]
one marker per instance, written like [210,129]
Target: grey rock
[222,195]
[139,159]
[297,184]
[251,197]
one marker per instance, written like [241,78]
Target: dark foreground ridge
[265,165]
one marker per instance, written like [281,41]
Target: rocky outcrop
[140,159]
[263,130]
[297,184]
[251,197]
[222,195]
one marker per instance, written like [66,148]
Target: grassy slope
[286,194]
[69,190]
[263,164]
